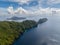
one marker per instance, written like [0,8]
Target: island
[42,20]
[16,18]
[11,31]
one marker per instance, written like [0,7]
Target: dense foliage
[10,31]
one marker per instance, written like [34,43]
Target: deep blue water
[47,33]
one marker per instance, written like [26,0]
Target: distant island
[42,20]
[10,30]
[16,18]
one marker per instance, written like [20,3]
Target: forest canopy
[10,30]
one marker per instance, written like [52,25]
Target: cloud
[36,11]
[19,10]
[41,2]
[43,11]
[48,11]
[19,1]
[22,1]
[50,2]
[10,10]
[39,11]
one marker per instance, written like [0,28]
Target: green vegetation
[10,31]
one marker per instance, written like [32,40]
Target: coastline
[11,31]
[26,30]
[45,19]
[22,34]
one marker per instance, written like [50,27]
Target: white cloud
[48,11]
[19,10]
[43,11]
[38,11]
[50,2]
[34,10]
[23,1]
[19,1]
[22,11]
[10,10]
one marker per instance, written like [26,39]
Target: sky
[29,7]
